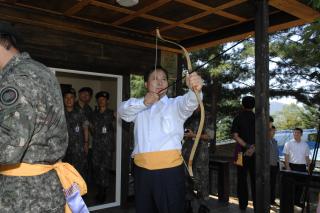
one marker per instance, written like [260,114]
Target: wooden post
[125,152]
[262,107]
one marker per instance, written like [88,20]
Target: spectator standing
[243,132]
[296,155]
[274,164]
[200,166]
[77,124]
[103,145]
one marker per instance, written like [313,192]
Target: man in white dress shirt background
[158,131]
[296,153]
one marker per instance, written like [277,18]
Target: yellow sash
[66,173]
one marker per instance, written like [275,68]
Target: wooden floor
[213,203]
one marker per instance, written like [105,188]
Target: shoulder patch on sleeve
[8,96]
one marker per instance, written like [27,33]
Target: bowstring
[156,59]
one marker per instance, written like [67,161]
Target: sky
[285,100]
[278,104]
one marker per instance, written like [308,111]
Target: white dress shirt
[158,127]
[297,151]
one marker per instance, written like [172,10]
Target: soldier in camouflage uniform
[103,146]
[33,129]
[85,95]
[82,105]
[201,159]
[77,124]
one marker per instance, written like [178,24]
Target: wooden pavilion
[75,33]
[101,36]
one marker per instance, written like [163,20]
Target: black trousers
[274,170]
[298,188]
[242,185]
[159,191]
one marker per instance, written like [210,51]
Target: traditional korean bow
[200,128]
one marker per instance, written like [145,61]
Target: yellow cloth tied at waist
[66,173]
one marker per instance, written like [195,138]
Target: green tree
[315,3]
[292,116]
[310,117]
[224,82]
[296,57]
[137,87]
[289,117]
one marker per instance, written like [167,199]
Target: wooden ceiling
[193,23]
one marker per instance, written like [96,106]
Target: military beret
[103,94]
[69,91]
[7,29]
[86,89]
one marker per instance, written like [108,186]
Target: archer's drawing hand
[150,98]
[194,81]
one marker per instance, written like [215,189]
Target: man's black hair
[70,91]
[298,129]
[86,89]
[8,35]
[273,127]
[271,119]
[148,72]
[248,102]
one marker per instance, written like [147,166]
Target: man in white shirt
[158,131]
[296,153]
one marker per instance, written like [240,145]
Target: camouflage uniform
[87,110]
[201,158]
[103,146]
[32,130]
[76,122]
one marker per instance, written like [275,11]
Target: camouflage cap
[103,94]
[7,29]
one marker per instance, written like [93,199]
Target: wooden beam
[230,4]
[142,11]
[11,1]
[287,25]
[121,27]
[93,20]
[77,7]
[199,15]
[171,23]
[207,11]
[193,28]
[230,16]
[106,24]
[212,9]
[12,14]
[296,9]
[38,8]
[271,29]
[235,24]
